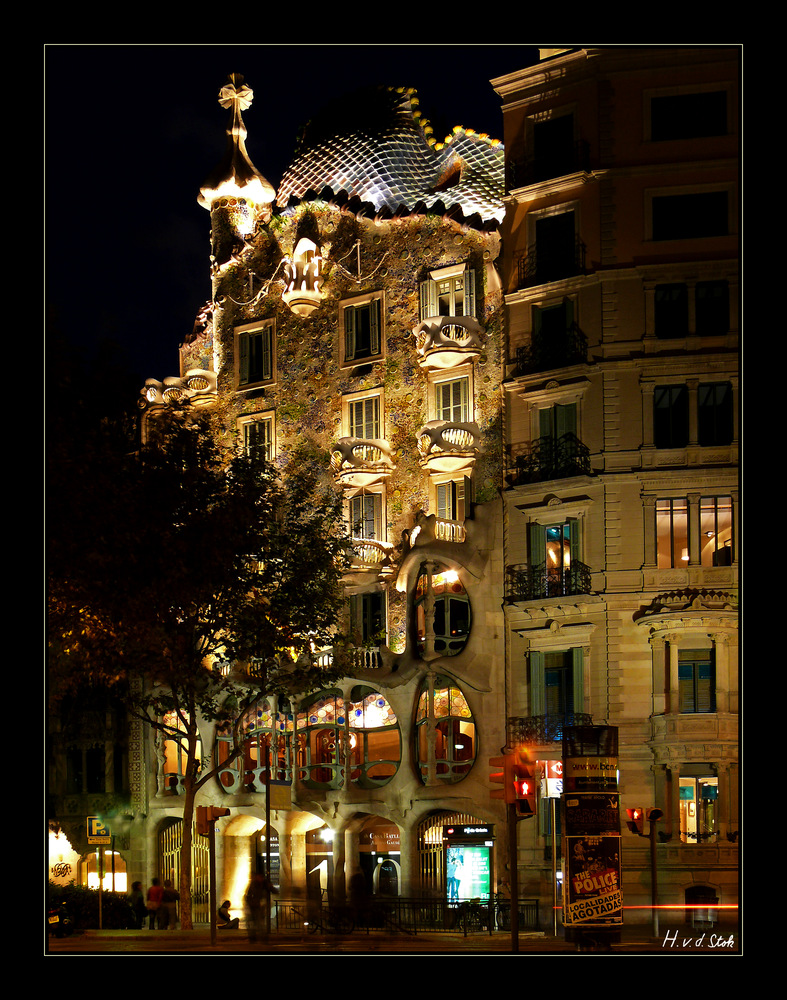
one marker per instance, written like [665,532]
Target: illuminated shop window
[107,868]
[445,731]
[267,728]
[442,611]
[698,808]
[354,742]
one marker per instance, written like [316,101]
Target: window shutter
[429,299]
[538,549]
[349,333]
[578,685]
[537,683]
[469,303]
[243,358]
[374,326]
[267,353]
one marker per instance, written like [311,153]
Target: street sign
[97,831]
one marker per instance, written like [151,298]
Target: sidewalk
[636,939]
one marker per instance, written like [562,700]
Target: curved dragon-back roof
[374,147]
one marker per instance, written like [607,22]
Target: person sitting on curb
[226,922]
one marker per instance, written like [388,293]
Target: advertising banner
[592,883]
[588,773]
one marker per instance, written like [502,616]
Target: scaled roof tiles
[373,147]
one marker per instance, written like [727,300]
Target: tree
[169,561]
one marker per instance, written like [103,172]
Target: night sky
[131,132]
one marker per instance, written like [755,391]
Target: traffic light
[501,775]
[207,815]
[514,774]
[636,820]
[653,815]
[524,787]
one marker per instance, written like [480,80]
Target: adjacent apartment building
[621,401]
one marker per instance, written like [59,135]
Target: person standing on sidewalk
[155,893]
[169,906]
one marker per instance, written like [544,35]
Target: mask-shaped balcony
[371,555]
[447,341]
[361,461]
[444,446]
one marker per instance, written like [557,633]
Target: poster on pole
[592,894]
[591,886]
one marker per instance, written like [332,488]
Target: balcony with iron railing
[531,583]
[539,265]
[533,169]
[548,458]
[548,351]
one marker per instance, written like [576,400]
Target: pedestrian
[169,906]
[226,922]
[137,903]
[155,892]
[252,902]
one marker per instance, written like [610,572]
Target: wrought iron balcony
[547,351]
[544,166]
[541,264]
[542,729]
[533,583]
[549,458]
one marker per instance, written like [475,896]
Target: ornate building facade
[621,431]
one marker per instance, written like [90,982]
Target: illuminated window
[445,730]
[698,808]
[267,728]
[672,533]
[355,742]
[448,292]
[255,354]
[555,569]
[716,531]
[105,867]
[450,498]
[175,759]
[442,612]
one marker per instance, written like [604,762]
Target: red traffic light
[636,820]
[518,786]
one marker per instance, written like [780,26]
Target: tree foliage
[170,562]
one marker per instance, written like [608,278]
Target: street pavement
[635,940]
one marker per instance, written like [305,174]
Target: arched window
[267,727]
[175,760]
[445,731]
[442,611]
[358,740]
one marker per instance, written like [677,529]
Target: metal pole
[654,891]
[552,819]
[512,856]
[268,761]
[212,878]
